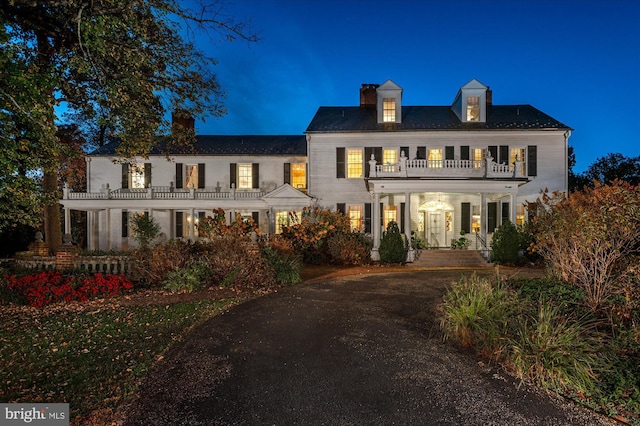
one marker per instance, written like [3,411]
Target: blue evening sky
[576,60]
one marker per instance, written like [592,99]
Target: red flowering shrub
[48,287]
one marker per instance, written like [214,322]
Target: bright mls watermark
[38,414]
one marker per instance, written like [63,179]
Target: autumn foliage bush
[349,249]
[309,236]
[588,238]
[216,225]
[44,288]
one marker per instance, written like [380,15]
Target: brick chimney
[489,97]
[368,95]
[182,119]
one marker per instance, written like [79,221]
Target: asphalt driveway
[357,350]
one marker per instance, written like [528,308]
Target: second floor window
[389,156]
[244,176]
[137,176]
[191,176]
[435,158]
[478,158]
[299,175]
[389,110]
[354,163]
[473,108]
[518,154]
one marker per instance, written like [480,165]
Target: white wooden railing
[164,193]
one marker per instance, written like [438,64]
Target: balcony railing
[164,193]
[406,168]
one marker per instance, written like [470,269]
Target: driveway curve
[356,350]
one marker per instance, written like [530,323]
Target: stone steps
[451,258]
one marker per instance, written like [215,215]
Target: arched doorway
[437,219]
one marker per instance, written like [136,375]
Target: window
[137,176]
[520,215]
[299,175]
[244,176]
[390,215]
[518,154]
[191,176]
[473,108]
[355,217]
[187,223]
[354,163]
[478,158]
[475,219]
[389,110]
[435,158]
[286,218]
[389,156]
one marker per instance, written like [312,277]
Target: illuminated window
[517,154]
[354,163]
[475,219]
[355,217]
[478,158]
[244,176]
[389,110]
[191,176]
[473,108]
[137,176]
[299,175]
[390,215]
[389,156]
[187,223]
[286,218]
[435,158]
[520,215]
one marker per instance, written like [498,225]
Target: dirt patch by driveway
[339,350]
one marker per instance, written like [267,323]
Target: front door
[435,229]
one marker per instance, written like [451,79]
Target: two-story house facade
[438,171]
[262,177]
[435,170]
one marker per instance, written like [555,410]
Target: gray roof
[230,145]
[359,119]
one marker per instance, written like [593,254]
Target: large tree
[121,64]
[611,167]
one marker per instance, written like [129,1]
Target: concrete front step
[450,258]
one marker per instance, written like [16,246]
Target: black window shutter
[125,176]
[449,153]
[465,208]
[179,224]
[367,218]
[464,152]
[255,175]
[233,175]
[421,153]
[367,156]
[201,182]
[381,215]
[504,154]
[505,212]
[342,208]
[306,175]
[179,170]
[404,149]
[492,216]
[125,224]
[377,153]
[287,173]
[493,152]
[401,218]
[147,175]
[532,160]
[256,217]
[340,163]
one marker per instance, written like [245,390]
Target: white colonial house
[263,177]
[436,170]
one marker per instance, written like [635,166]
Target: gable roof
[356,119]
[229,145]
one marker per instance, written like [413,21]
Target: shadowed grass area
[90,356]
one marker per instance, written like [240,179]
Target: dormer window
[389,110]
[473,108]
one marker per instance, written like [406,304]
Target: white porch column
[375,227]
[483,215]
[88,173]
[411,255]
[108,220]
[512,208]
[67,220]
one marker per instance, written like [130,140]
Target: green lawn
[92,356]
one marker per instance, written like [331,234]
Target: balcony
[163,193]
[418,168]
